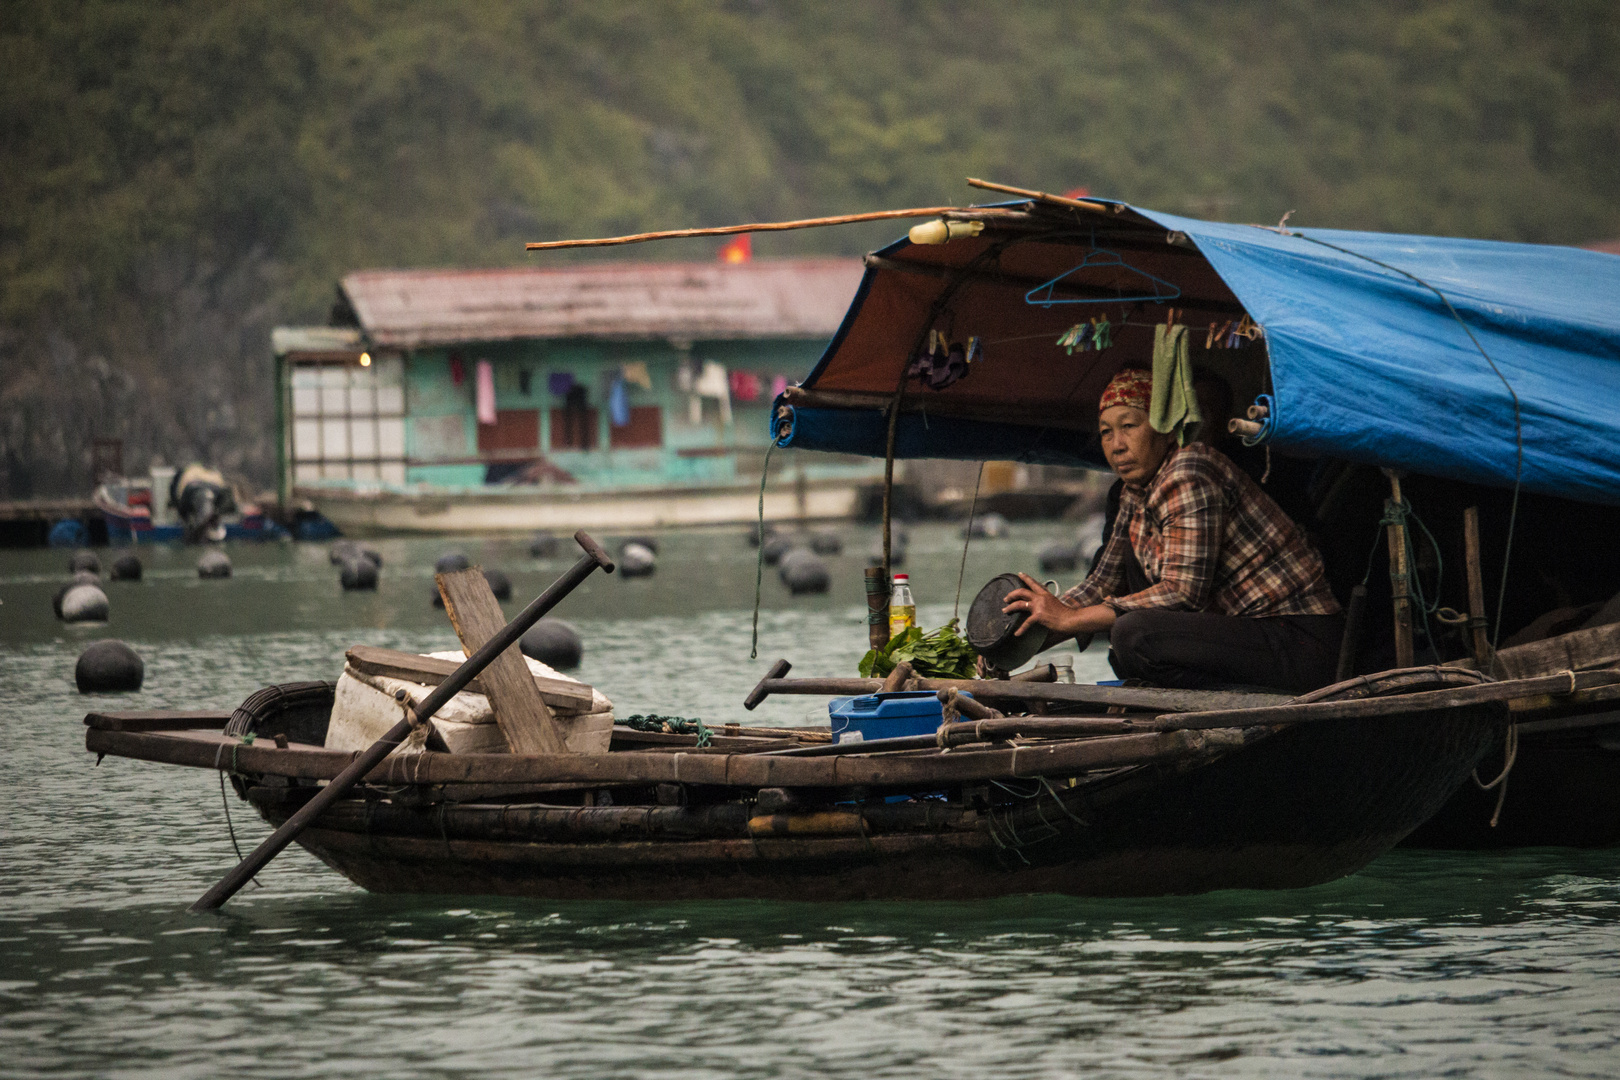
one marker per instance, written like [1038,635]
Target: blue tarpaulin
[1368,365]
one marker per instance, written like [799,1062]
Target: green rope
[1399,513]
[671,725]
[759,565]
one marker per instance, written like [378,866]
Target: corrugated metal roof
[768,298]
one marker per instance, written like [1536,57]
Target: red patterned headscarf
[1130,387]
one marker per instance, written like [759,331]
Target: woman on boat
[1203,582]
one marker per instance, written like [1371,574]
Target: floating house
[621,395]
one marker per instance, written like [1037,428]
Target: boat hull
[1563,791]
[516,511]
[1303,806]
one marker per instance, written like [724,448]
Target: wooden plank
[431,671]
[722,770]
[521,712]
[1565,684]
[159,720]
[1133,697]
[1597,646]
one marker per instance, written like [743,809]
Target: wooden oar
[452,685]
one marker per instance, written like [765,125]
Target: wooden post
[1483,660]
[1399,575]
[522,714]
[877,607]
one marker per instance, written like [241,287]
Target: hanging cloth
[619,404]
[484,391]
[1174,408]
[635,373]
[712,381]
[560,382]
[745,386]
[779,386]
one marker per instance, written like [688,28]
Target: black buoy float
[1057,555]
[450,562]
[214,564]
[778,545]
[826,542]
[372,555]
[802,571]
[636,560]
[127,567]
[438,597]
[554,643]
[499,584]
[86,577]
[358,573]
[544,546]
[108,667]
[648,542]
[84,560]
[83,603]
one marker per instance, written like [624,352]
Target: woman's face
[1133,448]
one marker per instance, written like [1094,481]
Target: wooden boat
[1560,772]
[1172,792]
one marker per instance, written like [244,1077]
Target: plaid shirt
[1210,540]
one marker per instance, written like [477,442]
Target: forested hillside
[180,176]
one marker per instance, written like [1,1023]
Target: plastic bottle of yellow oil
[902,608]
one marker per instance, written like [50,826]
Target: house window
[646,428]
[514,431]
[348,420]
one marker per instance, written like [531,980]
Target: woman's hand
[1052,613]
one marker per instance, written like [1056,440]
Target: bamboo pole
[728,230]
[1040,196]
[1399,576]
[1476,590]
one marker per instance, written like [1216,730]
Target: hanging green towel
[1174,410]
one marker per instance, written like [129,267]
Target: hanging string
[1518,418]
[1399,513]
[967,539]
[231,827]
[759,567]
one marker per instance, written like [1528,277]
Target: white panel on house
[365,470]
[363,401]
[338,471]
[306,440]
[390,437]
[306,401]
[363,438]
[334,439]
[390,400]
[393,472]
[306,474]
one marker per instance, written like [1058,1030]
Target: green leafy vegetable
[943,654]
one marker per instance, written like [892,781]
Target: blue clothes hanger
[1100,257]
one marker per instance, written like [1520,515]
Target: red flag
[740,250]
[1077,193]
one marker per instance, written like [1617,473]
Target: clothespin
[1209,339]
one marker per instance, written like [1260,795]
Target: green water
[1423,965]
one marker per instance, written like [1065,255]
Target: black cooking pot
[991,631]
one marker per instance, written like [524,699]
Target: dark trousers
[1198,650]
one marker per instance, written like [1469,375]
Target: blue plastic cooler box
[885,716]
